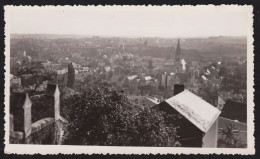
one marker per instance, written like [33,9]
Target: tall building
[178,53]
[173,64]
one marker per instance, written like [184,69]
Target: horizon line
[128,36]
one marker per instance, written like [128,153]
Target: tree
[37,74]
[71,76]
[150,128]
[150,65]
[229,137]
[104,116]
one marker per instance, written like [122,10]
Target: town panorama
[128,91]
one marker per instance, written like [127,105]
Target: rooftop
[132,77]
[153,99]
[195,109]
[235,111]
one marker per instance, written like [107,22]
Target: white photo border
[74,149]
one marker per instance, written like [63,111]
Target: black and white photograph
[129,79]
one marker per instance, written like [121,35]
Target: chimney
[178,88]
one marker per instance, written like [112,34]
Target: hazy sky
[150,21]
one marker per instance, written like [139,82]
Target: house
[76,66]
[60,72]
[81,74]
[48,66]
[197,115]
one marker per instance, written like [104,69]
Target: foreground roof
[235,111]
[193,108]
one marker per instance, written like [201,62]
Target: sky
[135,21]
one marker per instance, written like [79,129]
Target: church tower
[178,53]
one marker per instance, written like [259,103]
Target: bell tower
[178,53]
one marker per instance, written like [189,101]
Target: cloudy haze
[150,21]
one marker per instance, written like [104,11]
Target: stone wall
[45,136]
[43,132]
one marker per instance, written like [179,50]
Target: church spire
[178,52]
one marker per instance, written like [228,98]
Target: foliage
[42,107]
[37,79]
[104,116]
[230,137]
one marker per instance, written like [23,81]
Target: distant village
[41,67]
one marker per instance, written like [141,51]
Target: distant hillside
[191,48]
[48,36]
[196,48]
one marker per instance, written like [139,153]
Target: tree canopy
[104,116]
